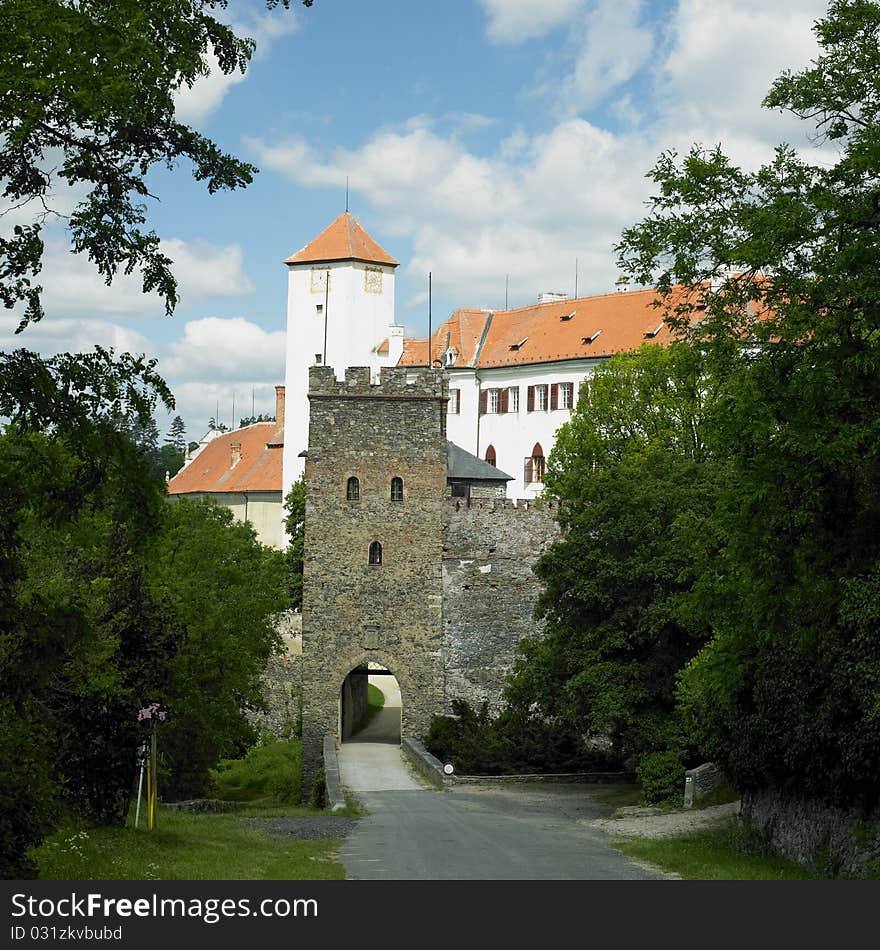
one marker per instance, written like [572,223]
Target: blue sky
[481,138]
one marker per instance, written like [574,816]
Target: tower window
[490,455]
[353,489]
[319,309]
[397,489]
[375,553]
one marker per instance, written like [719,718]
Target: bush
[270,773]
[661,777]
[513,742]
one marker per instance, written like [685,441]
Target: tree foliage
[295,528]
[786,262]
[631,470]
[224,588]
[87,93]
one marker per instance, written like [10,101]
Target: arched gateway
[360,608]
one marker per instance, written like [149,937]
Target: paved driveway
[529,832]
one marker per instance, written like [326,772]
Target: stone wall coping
[335,797]
[427,765]
[561,778]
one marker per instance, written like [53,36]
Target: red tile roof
[461,333]
[546,332]
[343,240]
[258,469]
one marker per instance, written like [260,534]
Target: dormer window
[589,339]
[519,345]
[353,489]
[567,316]
[656,330]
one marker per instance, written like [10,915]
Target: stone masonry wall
[490,590]
[355,612]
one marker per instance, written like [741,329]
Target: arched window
[396,489]
[353,489]
[490,455]
[375,553]
[535,465]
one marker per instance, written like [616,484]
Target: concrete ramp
[370,761]
[374,767]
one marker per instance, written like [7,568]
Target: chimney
[395,343]
[550,296]
[279,407]
[236,453]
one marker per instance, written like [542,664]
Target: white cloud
[72,285]
[513,21]
[233,348]
[723,57]
[193,105]
[528,210]
[612,46]
[213,360]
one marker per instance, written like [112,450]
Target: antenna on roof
[575,277]
[429,320]
[253,414]
[506,288]
[346,194]
[232,427]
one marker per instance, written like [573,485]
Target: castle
[514,375]
[419,545]
[398,573]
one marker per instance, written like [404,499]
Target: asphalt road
[528,832]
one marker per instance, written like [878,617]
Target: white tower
[342,323]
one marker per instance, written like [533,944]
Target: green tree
[787,694]
[632,472]
[176,432]
[62,454]
[88,101]
[224,588]
[295,528]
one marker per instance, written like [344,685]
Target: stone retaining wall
[838,841]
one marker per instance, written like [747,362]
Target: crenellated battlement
[522,505]
[394,382]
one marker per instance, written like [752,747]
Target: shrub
[661,777]
[271,773]
[513,742]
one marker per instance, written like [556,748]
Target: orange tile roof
[258,469]
[614,323]
[462,332]
[343,240]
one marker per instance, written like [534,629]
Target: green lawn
[722,854]
[186,846]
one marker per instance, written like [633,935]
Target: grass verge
[188,847]
[726,853]
[271,773]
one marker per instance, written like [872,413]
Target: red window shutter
[484,401]
[503,400]
[458,402]
[554,395]
[530,404]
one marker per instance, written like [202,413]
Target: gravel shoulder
[639,822]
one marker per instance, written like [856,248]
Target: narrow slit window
[353,489]
[397,489]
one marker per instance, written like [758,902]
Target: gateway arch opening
[370,705]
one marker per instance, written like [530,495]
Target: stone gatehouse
[438,590]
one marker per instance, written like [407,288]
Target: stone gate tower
[372,569]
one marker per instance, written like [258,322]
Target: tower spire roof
[343,240]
